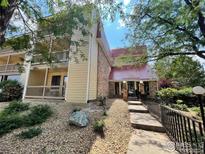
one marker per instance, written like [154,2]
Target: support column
[28,69]
[45,81]
[8,59]
[120,90]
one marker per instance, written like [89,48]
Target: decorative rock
[79,118]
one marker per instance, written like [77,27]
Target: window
[56,80]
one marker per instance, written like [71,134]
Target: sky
[116,31]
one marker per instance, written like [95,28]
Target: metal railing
[186,132]
[9,68]
[56,92]
[58,57]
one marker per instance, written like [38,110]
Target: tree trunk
[5,16]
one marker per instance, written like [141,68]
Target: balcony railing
[58,58]
[8,68]
[54,92]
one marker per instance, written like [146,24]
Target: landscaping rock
[79,118]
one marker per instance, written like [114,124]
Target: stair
[137,108]
[146,122]
[134,103]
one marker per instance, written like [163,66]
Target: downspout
[89,62]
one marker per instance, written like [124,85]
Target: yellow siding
[78,73]
[77,83]
[93,66]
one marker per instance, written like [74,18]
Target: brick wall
[103,74]
[152,88]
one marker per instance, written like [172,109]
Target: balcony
[60,57]
[52,92]
[9,68]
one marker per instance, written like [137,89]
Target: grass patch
[30,133]
[11,120]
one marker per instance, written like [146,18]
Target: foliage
[165,83]
[183,70]
[11,90]
[38,114]
[10,122]
[169,27]
[30,133]
[197,110]
[98,126]
[15,107]
[180,106]
[170,95]
[76,109]
[18,43]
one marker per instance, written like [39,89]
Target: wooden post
[125,92]
[45,81]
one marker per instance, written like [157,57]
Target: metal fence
[186,132]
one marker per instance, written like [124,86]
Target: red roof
[132,73]
[140,50]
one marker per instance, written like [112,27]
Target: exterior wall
[93,58]
[76,90]
[103,74]
[111,89]
[152,88]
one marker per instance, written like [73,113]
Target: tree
[183,69]
[32,11]
[168,27]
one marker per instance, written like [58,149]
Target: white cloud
[126,2]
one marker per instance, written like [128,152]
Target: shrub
[11,90]
[98,126]
[15,107]
[9,123]
[38,114]
[170,95]
[76,109]
[181,107]
[30,133]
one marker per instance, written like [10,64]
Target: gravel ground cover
[57,136]
[118,130]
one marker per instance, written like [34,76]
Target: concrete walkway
[149,135]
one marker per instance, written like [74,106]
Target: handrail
[44,86]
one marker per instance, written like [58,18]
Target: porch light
[199,91]
[141,81]
[124,81]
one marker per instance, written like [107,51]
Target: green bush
[11,90]
[30,133]
[170,95]
[38,114]
[181,107]
[9,123]
[98,126]
[15,107]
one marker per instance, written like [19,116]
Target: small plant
[179,101]
[39,114]
[98,126]
[181,107]
[15,107]
[76,109]
[104,113]
[30,133]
